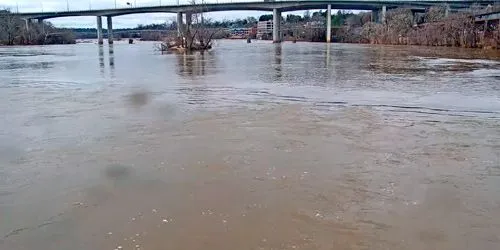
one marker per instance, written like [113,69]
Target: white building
[264,29]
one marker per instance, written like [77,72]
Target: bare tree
[195,34]
[10,27]
[17,31]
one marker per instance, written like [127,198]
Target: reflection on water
[196,63]
[277,61]
[253,146]
[101,58]
[111,58]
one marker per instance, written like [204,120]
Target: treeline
[17,31]
[432,28]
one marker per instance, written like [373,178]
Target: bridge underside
[283,6]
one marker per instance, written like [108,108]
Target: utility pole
[67,5]
[17,7]
[115,4]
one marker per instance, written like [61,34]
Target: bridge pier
[375,16]
[180,24]
[99,30]
[329,23]
[384,12]
[110,30]
[276,26]
[189,21]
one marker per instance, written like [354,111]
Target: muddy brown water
[249,146]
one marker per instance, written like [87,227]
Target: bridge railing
[85,5]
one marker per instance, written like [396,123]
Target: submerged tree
[195,35]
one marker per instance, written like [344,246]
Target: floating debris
[110,233]
[77,204]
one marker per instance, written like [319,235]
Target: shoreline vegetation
[435,27]
[17,31]
[432,28]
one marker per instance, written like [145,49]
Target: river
[249,146]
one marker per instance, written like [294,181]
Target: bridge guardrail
[79,5]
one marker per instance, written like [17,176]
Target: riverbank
[16,31]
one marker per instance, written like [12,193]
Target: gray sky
[118,22]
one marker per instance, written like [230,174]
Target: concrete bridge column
[99,30]
[446,10]
[375,16]
[485,30]
[40,21]
[329,23]
[110,30]
[189,21]
[276,26]
[384,12]
[180,24]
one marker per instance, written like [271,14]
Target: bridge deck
[286,5]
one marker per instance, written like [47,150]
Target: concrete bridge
[184,12]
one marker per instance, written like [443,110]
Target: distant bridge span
[283,6]
[378,8]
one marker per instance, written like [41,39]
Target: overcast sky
[118,22]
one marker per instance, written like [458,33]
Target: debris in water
[110,233]
[165,221]
[119,247]
[154,211]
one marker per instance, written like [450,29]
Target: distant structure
[264,29]
[242,33]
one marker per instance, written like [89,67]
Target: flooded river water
[249,146]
